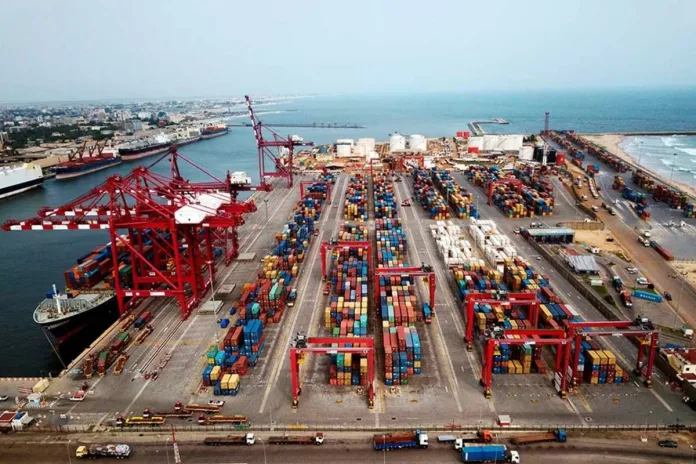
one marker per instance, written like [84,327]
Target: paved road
[343,453]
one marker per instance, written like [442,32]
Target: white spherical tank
[397,142]
[417,142]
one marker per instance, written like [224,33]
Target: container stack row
[460,200]
[495,246]
[518,359]
[402,354]
[454,247]
[352,232]
[469,279]
[383,196]
[674,198]
[618,184]
[519,275]
[426,194]
[347,311]
[391,242]
[599,366]
[604,156]
[356,204]
[264,299]
[643,181]
[97,266]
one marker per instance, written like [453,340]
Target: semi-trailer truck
[626,298]
[247,440]
[558,435]
[488,453]
[103,451]
[391,441]
[316,439]
[482,436]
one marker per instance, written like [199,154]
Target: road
[347,452]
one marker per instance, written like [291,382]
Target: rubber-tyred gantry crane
[423,271]
[283,168]
[162,227]
[526,337]
[499,299]
[640,328]
[307,184]
[505,181]
[301,347]
[333,244]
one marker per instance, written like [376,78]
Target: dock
[476,129]
[313,125]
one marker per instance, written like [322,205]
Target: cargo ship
[105,157]
[89,305]
[186,135]
[214,130]
[19,178]
[138,149]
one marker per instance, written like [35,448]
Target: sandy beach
[612,142]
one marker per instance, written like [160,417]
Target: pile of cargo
[316,191]
[241,347]
[495,246]
[97,266]
[460,200]
[352,233]
[391,242]
[402,354]
[355,207]
[520,359]
[599,366]
[348,368]
[519,275]
[383,195]
[619,183]
[477,279]
[347,311]
[453,246]
[643,181]
[426,194]
[674,198]
[265,299]
[327,176]
[604,156]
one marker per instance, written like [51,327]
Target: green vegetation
[22,138]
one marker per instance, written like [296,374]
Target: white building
[144,115]
[397,142]
[497,142]
[344,148]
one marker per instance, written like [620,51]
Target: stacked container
[426,194]
[460,200]
[455,249]
[479,279]
[383,196]
[600,366]
[348,369]
[391,242]
[355,207]
[229,385]
[643,181]
[402,354]
[397,301]
[347,310]
[253,343]
[352,232]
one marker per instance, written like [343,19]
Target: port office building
[551,235]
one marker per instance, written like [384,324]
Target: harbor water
[30,262]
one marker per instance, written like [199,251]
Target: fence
[366,428]
[580,225]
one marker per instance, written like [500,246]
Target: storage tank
[417,142]
[526,153]
[366,145]
[397,142]
[344,147]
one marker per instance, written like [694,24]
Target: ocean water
[31,261]
[671,156]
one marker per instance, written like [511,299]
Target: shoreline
[612,143]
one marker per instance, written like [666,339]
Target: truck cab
[250,439]
[81,452]
[514,457]
[422,439]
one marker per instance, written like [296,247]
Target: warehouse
[551,235]
[583,264]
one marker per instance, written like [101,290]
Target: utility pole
[177,456]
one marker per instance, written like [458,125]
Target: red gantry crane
[283,167]
[423,271]
[499,299]
[301,347]
[527,337]
[164,225]
[641,328]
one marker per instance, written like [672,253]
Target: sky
[82,50]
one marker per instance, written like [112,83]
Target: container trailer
[488,453]
[392,441]
[558,435]
[104,451]
[316,439]
[210,409]
[642,294]
[626,299]
[234,420]
[247,440]
[661,250]
[154,421]
[482,436]
[143,319]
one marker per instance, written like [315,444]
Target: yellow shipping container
[611,359]
[233,381]
[603,360]
[225,381]
[215,373]
[594,356]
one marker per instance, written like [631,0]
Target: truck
[88,367]
[78,396]
[127,322]
[143,319]
[661,250]
[120,342]
[650,296]
[316,439]
[292,297]
[392,441]
[217,419]
[207,408]
[617,283]
[154,421]
[558,435]
[104,451]
[427,313]
[143,335]
[120,363]
[230,440]
[489,453]
[482,436]
[626,299]
[101,363]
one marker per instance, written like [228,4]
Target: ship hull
[77,171]
[210,135]
[188,141]
[126,155]
[19,188]
[81,329]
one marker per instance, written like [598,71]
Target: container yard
[372,319]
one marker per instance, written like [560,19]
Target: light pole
[166,449]
[68,447]
[268,232]
[384,449]
[674,163]
[640,152]
[681,289]
[263,445]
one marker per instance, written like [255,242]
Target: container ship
[138,149]
[104,157]
[187,135]
[19,178]
[89,305]
[214,130]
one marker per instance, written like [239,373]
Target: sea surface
[672,156]
[30,262]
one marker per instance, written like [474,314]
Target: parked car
[668,296]
[516,230]
[668,444]
[632,270]
[216,403]
[642,281]
[3,397]
[646,234]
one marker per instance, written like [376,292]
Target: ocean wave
[667,162]
[671,141]
[688,151]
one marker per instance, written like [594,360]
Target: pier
[315,125]
[476,129]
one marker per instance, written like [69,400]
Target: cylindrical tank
[526,153]
[344,147]
[397,142]
[417,142]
